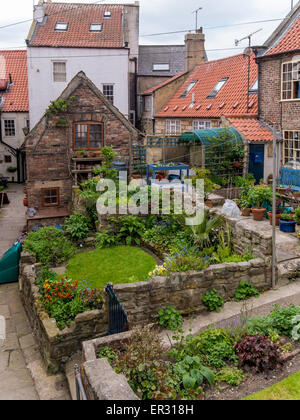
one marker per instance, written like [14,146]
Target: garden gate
[118,319]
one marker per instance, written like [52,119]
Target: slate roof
[161,54]
[79,18]
[231,99]
[252,128]
[16,97]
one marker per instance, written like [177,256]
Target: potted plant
[287,223]
[11,169]
[257,196]
[278,213]
[245,207]
[237,155]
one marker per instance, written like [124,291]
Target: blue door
[256,161]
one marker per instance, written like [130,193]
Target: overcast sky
[158,16]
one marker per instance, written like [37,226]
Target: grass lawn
[288,389]
[122,264]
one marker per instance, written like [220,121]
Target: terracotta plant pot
[258,213]
[209,204]
[237,164]
[25,202]
[270,215]
[246,212]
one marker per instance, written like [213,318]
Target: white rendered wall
[102,66]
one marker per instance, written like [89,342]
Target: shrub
[183,263]
[282,319]
[212,346]
[213,301]
[231,375]
[131,228]
[107,239]
[245,291]
[258,353]
[259,325]
[77,226]
[170,318]
[297,215]
[50,246]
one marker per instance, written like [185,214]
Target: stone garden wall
[56,346]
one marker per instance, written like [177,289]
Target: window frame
[13,129]
[160,69]
[110,97]
[213,95]
[56,73]
[88,124]
[43,191]
[292,81]
[204,122]
[190,87]
[173,122]
[61,30]
[96,30]
[291,134]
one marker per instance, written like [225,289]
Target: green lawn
[288,389]
[122,264]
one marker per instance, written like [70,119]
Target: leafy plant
[170,318]
[297,215]
[245,291]
[49,245]
[258,353]
[259,194]
[203,232]
[213,301]
[60,105]
[11,169]
[131,229]
[287,217]
[192,372]
[231,375]
[183,263]
[77,226]
[108,353]
[107,239]
[282,319]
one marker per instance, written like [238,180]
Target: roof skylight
[217,88]
[61,26]
[189,88]
[107,14]
[96,27]
[254,88]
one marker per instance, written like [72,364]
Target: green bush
[231,375]
[297,215]
[131,228]
[245,291]
[183,263]
[282,319]
[214,347]
[213,301]
[170,318]
[50,246]
[107,239]
[77,226]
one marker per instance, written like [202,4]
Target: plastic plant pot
[287,226]
[258,213]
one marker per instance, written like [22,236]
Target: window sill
[290,100]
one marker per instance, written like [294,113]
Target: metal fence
[118,319]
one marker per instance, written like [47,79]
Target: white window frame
[173,127]
[201,125]
[110,96]
[7,127]
[161,67]
[59,76]
[289,78]
[61,26]
[96,27]
[291,146]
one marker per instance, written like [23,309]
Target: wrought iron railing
[118,319]
[80,392]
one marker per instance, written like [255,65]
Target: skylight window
[96,27]
[254,88]
[161,67]
[107,14]
[189,88]
[217,88]
[61,26]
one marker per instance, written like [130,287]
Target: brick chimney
[194,49]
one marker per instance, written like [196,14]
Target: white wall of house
[102,66]
[20,122]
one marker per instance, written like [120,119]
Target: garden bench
[290,178]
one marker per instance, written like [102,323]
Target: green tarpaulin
[9,264]
[204,136]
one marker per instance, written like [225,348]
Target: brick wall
[285,114]
[50,150]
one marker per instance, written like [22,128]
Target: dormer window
[107,14]
[189,88]
[96,27]
[217,88]
[61,26]
[254,88]
[161,67]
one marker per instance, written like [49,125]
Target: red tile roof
[251,128]
[289,41]
[16,98]
[153,89]
[79,18]
[231,99]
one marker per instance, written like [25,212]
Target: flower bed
[193,368]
